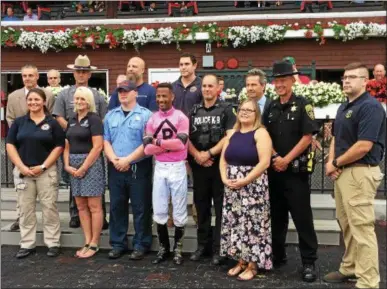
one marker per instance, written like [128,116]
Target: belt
[359,165]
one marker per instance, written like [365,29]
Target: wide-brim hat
[82,62]
[283,68]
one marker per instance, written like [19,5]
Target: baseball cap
[290,59]
[127,86]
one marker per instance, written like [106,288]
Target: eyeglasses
[246,110]
[53,78]
[351,77]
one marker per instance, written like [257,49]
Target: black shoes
[15,226]
[105,224]
[116,253]
[199,253]
[137,255]
[309,273]
[278,262]
[74,222]
[218,260]
[23,253]
[53,252]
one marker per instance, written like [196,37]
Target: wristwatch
[334,163]
[43,167]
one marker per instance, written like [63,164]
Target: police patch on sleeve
[310,111]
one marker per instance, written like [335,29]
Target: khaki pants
[45,187]
[355,191]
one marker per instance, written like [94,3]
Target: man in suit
[255,86]
[17,106]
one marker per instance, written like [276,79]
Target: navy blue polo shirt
[146,97]
[187,97]
[34,142]
[362,119]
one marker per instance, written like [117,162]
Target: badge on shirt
[85,123]
[348,114]
[310,111]
[46,126]
[193,89]
[137,118]
[293,108]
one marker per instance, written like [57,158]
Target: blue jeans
[135,184]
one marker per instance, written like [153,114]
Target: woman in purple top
[246,228]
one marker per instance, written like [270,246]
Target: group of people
[252,163]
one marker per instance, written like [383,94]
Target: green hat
[290,59]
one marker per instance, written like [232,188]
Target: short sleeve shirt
[80,133]
[287,123]
[34,142]
[362,119]
[125,133]
[219,116]
[187,97]
[64,103]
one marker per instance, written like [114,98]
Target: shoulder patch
[310,111]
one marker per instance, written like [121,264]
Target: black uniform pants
[208,186]
[290,192]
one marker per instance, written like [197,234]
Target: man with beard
[146,93]
[64,110]
[290,123]
[17,106]
[357,148]
[209,122]
[166,138]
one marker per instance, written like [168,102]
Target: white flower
[98,28]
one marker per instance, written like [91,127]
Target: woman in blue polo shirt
[84,162]
[34,143]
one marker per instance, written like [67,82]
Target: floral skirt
[246,226]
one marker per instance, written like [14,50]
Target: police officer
[64,110]
[210,121]
[290,123]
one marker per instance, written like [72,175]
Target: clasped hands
[235,183]
[76,173]
[122,164]
[204,159]
[280,164]
[31,171]
[331,171]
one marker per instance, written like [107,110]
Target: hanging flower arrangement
[235,36]
[320,94]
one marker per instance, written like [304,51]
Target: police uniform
[125,131]
[208,126]
[289,190]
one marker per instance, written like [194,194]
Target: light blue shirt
[125,133]
[261,103]
[33,17]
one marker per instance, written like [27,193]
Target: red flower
[377,88]
[309,34]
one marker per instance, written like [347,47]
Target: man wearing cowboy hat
[290,123]
[64,109]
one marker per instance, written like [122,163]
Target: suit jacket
[267,103]
[17,104]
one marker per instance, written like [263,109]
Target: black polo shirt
[34,142]
[362,119]
[79,133]
[187,97]
[287,123]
